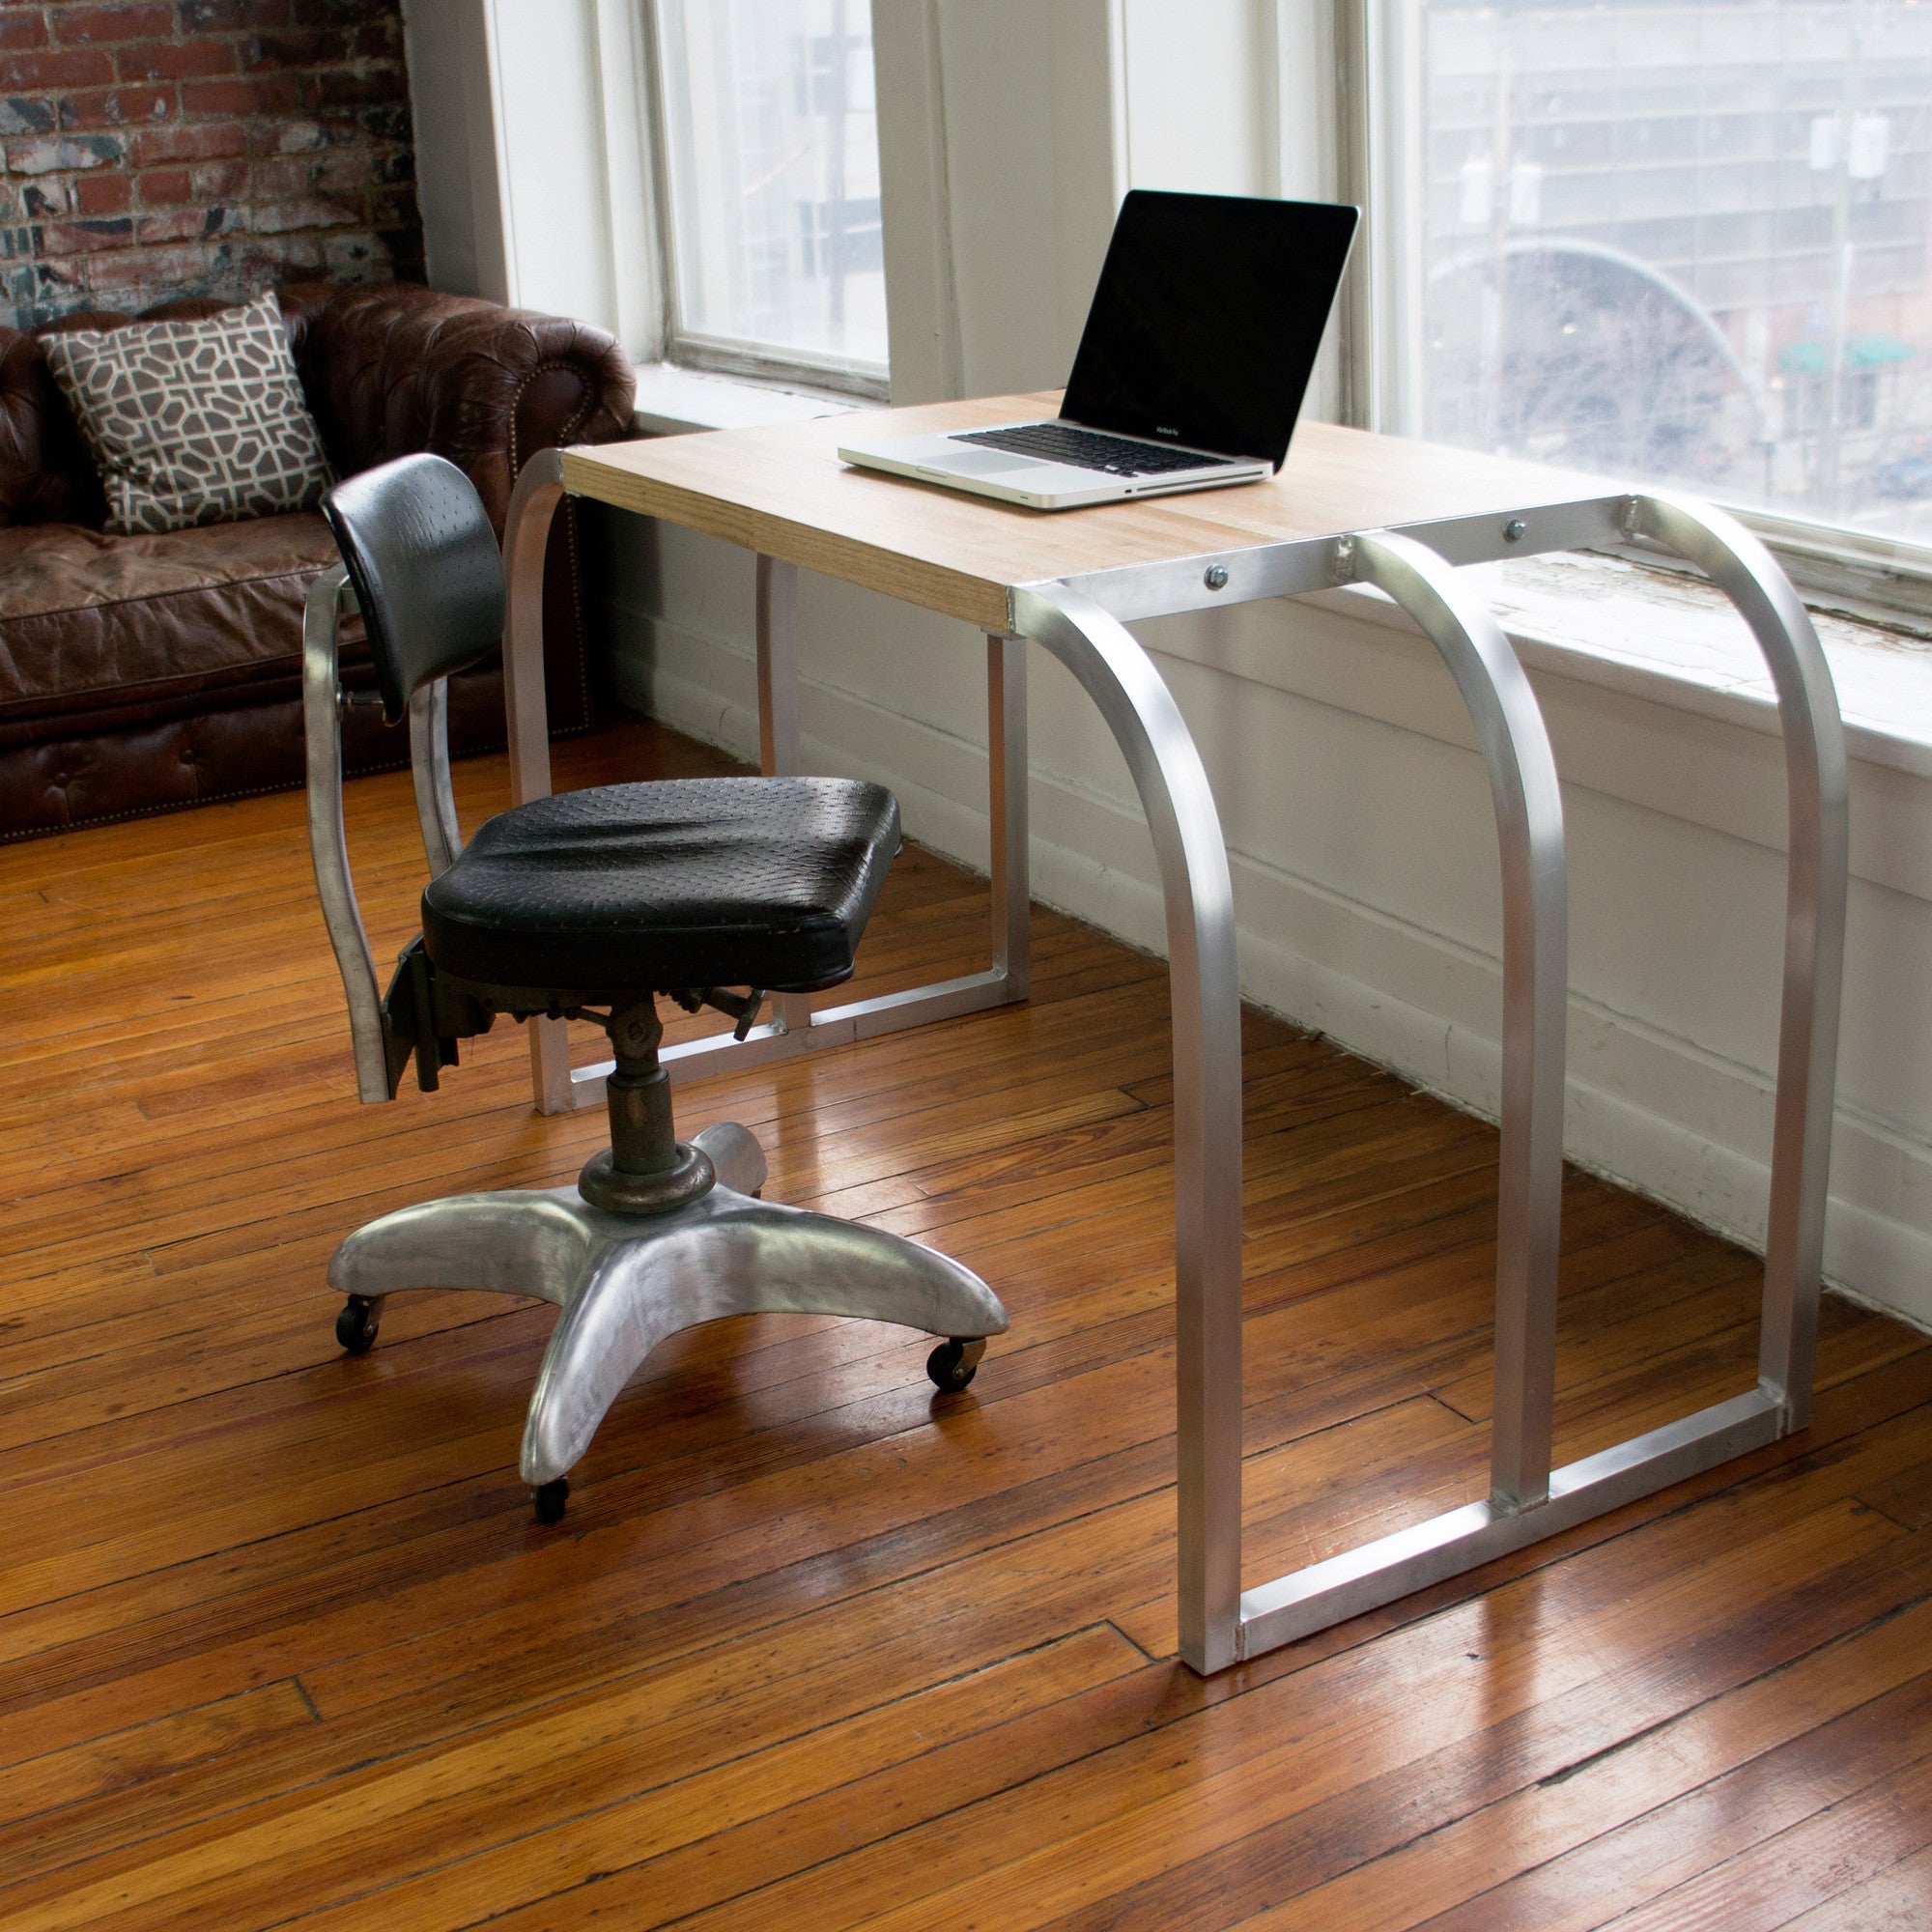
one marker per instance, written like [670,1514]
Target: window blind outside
[772,163]
[1685,242]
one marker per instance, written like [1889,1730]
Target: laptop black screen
[1208,318]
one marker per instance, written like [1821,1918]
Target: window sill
[676,400]
[1657,633]
[1676,640]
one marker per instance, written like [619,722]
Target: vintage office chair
[589,905]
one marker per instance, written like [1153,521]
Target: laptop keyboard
[1087,449]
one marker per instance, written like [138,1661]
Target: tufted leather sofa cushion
[141,674]
[92,623]
[653,888]
[106,765]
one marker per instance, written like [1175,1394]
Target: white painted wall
[1356,808]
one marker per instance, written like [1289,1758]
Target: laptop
[1192,366]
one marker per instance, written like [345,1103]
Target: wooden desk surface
[783,491]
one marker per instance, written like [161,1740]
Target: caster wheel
[550,1499]
[953,1364]
[356,1326]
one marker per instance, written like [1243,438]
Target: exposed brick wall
[199,147]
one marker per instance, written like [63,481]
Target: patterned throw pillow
[193,422]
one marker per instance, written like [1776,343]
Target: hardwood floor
[280,1641]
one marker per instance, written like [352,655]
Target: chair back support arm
[428,769]
[329,839]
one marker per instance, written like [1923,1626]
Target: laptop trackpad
[982,462]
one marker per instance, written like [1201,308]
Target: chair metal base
[624,1282]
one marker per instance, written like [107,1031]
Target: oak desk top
[782,491]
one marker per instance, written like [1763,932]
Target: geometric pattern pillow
[193,422]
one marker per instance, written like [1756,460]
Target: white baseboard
[1652,1112]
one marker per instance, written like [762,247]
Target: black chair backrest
[426,568]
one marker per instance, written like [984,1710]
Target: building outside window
[1682,242]
[768,164]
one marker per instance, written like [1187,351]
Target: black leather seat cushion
[656,886]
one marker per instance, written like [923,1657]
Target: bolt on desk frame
[1080,618]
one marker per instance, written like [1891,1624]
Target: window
[769,161]
[1685,241]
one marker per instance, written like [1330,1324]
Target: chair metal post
[1818,866]
[329,837]
[1204,991]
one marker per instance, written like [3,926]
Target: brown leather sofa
[143,674]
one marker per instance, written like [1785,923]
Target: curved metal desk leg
[1508,722]
[1535,979]
[526,541]
[780,746]
[1205,992]
[1179,808]
[1006,811]
[1814,925]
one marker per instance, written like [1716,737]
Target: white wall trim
[1652,1109]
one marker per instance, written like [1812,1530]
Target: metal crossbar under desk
[794,1028]
[1348,508]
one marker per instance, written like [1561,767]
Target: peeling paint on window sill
[1674,639]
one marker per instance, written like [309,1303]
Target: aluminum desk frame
[1081,621]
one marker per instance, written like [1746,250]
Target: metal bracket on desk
[794,1028]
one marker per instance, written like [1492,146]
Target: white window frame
[1867,574]
[670,341]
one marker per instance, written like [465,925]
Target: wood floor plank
[1896,1901]
[1807,1864]
[280,1642]
[48,1781]
[1848,1708]
[1288,1746]
[548,1739]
